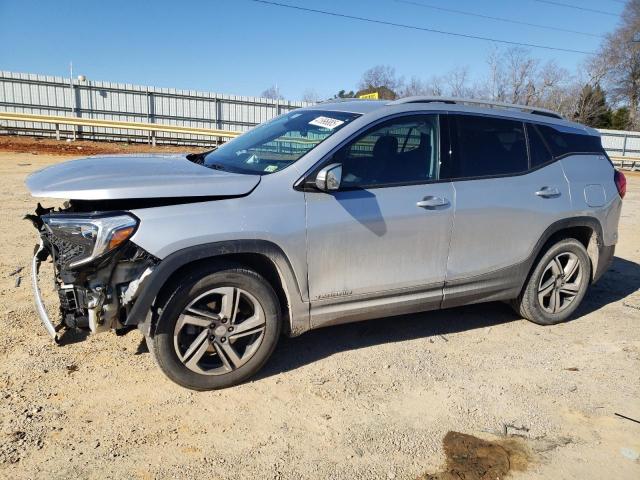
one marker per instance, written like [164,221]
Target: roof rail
[343,99]
[484,103]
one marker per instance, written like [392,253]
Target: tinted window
[537,149]
[485,146]
[403,150]
[562,143]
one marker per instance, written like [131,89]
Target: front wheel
[217,329]
[557,284]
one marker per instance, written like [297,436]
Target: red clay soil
[50,146]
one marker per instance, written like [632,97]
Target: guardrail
[627,163]
[151,127]
[621,143]
[623,162]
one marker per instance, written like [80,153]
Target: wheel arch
[263,256]
[587,230]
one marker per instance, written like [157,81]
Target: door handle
[548,192]
[431,202]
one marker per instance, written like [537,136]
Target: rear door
[504,203]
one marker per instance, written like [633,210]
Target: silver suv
[334,213]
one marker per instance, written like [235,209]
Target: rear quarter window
[563,143]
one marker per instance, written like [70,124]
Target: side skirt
[503,284]
[365,307]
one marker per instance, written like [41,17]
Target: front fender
[299,309]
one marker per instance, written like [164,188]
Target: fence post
[218,105]
[72,91]
[624,145]
[57,132]
[150,118]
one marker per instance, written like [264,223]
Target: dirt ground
[367,401]
[50,146]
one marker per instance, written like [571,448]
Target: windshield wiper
[199,157]
[216,166]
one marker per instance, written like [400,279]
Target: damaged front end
[98,272]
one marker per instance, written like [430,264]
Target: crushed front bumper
[40,308]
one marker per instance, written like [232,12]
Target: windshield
[275,145]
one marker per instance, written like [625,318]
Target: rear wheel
[557,284]
[217,328]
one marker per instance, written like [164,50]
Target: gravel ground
[369,400]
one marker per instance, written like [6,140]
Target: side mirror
[329,178]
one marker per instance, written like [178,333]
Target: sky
[242,47]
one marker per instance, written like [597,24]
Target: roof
[350,105]
[522,112]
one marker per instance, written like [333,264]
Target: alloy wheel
[219,331]
[560,282]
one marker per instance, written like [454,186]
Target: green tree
[344,94]
[620,119]
[592,108]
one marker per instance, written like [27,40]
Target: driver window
[403,150]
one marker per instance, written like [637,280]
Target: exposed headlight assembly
[80,239]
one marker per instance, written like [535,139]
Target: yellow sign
[369,96]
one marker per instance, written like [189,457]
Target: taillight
[621,183]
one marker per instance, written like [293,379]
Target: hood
[110,177]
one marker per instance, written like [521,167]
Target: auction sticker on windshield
[326,122]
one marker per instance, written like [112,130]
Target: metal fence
[89,99]
[619,143]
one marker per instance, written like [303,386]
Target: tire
[217,328]
[555,290]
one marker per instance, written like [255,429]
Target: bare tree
[521,70]
[414,87]
[273,93]
[435,86]
[457,80]
[381,76]
[595,69]
[556,89]
[622,61]
[550,77]
[310,96]
[496,83]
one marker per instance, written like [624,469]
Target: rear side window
[563,143]
[486,146]
[539,152]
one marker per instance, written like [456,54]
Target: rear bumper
[605,257]
[37,295]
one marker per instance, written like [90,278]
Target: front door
[380,243]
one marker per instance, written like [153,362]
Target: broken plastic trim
[40,308]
